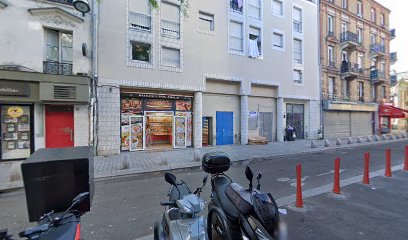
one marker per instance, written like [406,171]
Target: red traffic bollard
[299,198]
[336,184]
[366,176]
[388,163]
[406,159]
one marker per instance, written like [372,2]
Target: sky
[399,21]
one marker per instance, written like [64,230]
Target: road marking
[330,172]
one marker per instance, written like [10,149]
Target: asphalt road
[127,207]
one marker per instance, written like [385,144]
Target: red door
[59,126]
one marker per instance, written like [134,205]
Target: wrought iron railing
[393,80]
[377,48]
[348,37]
[51,67]
[377,74]
[347,67]
[330,34]
[67,2]
[393,57]
[297,57]
[392,33]
[332,64]
[140,22]
[333,97]
[234,6]
[346,97]
[297,26]
[170,28]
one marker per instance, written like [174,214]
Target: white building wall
[81,133]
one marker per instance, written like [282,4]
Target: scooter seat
[240,197]
[220,184]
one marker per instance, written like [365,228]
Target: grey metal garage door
[336,125]
[361,124]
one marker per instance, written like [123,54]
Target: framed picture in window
[25,136]
[9,119]
[11,127]
[23,144]
[10,136]
[24,119]
[11,145]
[23,127]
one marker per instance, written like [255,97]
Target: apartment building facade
[355,60]
[399,95]
[228,71]
[44,83]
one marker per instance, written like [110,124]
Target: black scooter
[55,226]
[251,213]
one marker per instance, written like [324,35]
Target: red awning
[387,110]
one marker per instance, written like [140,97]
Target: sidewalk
[154,161]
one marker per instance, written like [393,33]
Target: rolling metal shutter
[361,124]
[336,125]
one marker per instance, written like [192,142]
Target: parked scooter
[55,226]
[183,217]
[251,213]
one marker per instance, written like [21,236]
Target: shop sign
[14,89]
[15,111]
[160,96]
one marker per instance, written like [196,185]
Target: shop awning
[387,110]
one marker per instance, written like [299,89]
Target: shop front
[155,120]
[387,112]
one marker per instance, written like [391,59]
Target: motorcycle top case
[216,162]
[54,177]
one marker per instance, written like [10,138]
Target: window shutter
[255,31]
[140,6]
[170,12]
[277,7]
[277,39]
[236,29]
[171,57]
[297,14]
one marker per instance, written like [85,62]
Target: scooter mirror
[249,174]
[170,178]
[259,176]
[81,197]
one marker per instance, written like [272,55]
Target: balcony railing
[297,57]
[393,80]
[346,97]
[170,29]
[234,7]
[377,75]
[330,34]
[51,67]
[376,49]
[332,64]
[67,2]
[297,26]
[140,22]
[348,67]
[348,37]
[333,97]
[393,57]
[392,33]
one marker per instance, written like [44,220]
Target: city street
[127,207]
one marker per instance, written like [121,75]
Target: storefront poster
[180,132]
[158,104]
[132,105]
[125,136]
[189,126]
[23,127]
[183,105]
[136,133]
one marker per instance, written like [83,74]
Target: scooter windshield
[190,204]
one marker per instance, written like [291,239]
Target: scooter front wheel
[220,225]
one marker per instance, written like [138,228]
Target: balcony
[51,67]
[349,70]
[346,98]
[377,51]
[170,29]
[297,26]
[392,33]
[348,41]
[66,2]
[393,80]
[234,7]
[393,57]
[376,76]
[140,22]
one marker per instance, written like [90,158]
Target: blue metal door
[225,128]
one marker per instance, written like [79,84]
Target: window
[331,87]
[205,21]
[141,51]
[236,6]
[361,91]
[297,76]
[277,40]
[254,8]
[330,53]
[372,15]
[170,23]
[255,42]
[139,15]
[58,46]
[373,63]
[344,56]
[382,66]
[360,35]
[382,41]
[297,20]
[373,38]
[170,57]
[346,90]
[330,24]
[360,61]
[344,4]
[236,37]
[382,20]
[359,9]
[373,93]
[277,7]
[344,26]
[384,92]
[297,51]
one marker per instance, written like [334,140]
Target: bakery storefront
[155,120]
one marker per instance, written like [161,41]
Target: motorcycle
[183,216]
[55,226]
[251,213]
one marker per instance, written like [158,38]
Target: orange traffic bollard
[366,176]
[406,159]
[336,184]
[299,198]
[388,163]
